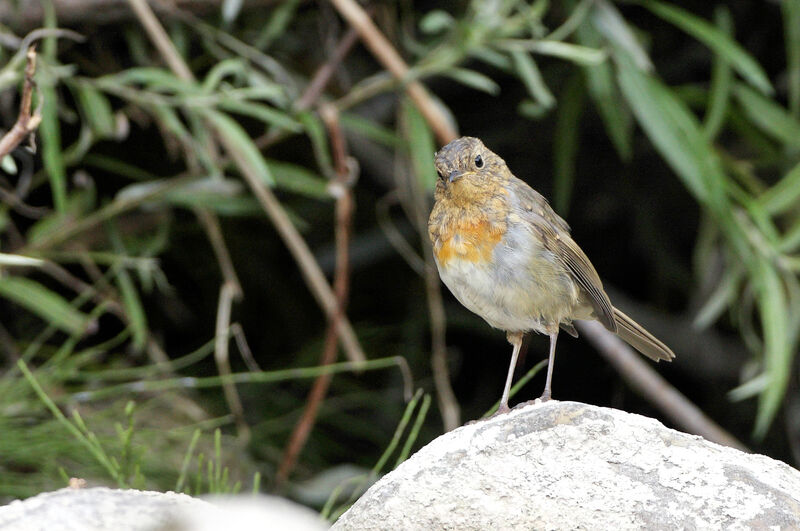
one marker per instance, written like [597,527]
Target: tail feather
[640,339]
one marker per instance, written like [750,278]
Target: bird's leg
[515,338]
[551,361]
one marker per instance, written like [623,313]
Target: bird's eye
[479,162]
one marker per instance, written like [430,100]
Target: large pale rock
[565,465]
[104,509]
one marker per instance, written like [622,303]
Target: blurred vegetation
[669,137]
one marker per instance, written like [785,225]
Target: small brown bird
[508,257]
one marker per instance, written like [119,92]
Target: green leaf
[474,80]
[608,21]
[369,129]
[153,78]
[721,81]
[604,93]
[239,139]
[768,115]
[581,55]
[771,299]
[319,141]
[565,142]
[47,304]
[265,113]
[717,40]
[784,195]
[420,144]
[95,109]
[134,310]
[50,133]
[791,30]
[528,72]
[299,180]
[436,21]
[221,70]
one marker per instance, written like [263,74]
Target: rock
[104,509]
[566,465]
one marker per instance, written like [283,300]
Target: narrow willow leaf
[565,143]
[581,55]
[528,72]
[603,91]
[47,304]
[265,113]
[157,79]
[50,133]
[791,30]
[771,300]
[95,109]
[717,40]
[369,129]
[784,195]
[319,141]
[299,180]
[768,115]
[241,141]
[608,21]
[436,21]
[473,79]
[721,81]
[720,299]
[282,15]
[134,311]
[421,146]
[221,70]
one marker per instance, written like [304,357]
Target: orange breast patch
[470,241]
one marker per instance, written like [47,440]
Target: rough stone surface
[104,509]
[566,465]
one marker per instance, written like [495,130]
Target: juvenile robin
[508,257]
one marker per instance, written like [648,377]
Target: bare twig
[210,223]
[26,122]
[323,75]
[652,386]
[317,85]
[160,39]
[341,188]
[383,50]
[221,341]
[244,348]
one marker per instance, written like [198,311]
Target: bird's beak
[455,174]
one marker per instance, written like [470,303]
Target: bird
[505,254]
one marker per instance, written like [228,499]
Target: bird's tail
[640,339]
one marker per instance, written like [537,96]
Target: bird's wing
[555,235]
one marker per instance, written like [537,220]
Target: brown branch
[316,86]
[160,39]
[642,378]
[383,50]
[297,246]
[26,123]
[227,294]
[341,188]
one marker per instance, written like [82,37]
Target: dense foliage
[144,240]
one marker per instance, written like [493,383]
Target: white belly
[518,292]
